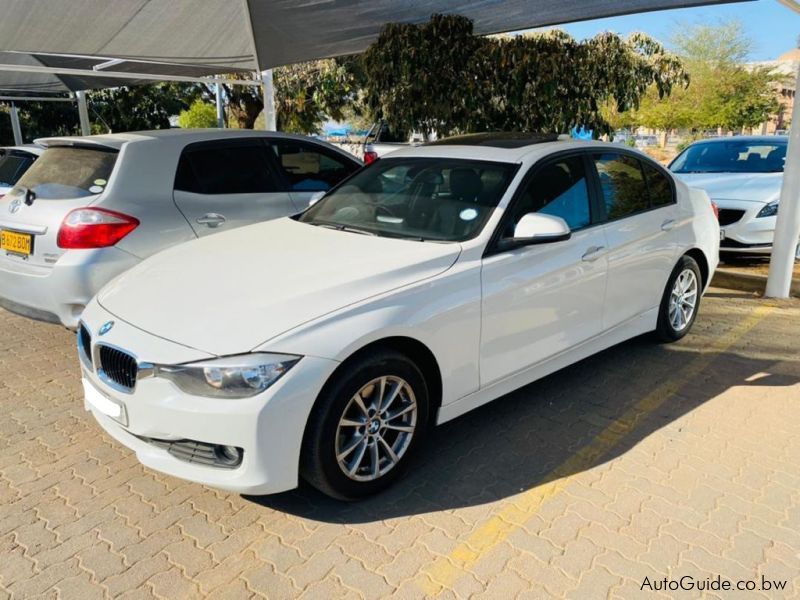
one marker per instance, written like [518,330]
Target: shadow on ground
[513,443]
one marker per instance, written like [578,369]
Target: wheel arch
[700,258]
[411,347]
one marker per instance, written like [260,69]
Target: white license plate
[721,234]
[100,402]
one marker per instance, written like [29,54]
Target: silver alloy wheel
[376,428]
[683,300]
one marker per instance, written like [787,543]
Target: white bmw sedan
[435,280]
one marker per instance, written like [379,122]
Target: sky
[772,27]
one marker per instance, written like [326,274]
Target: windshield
[12,165]
[734,156]
[440,199]
[65,172]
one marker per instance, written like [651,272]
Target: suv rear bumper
[58,294]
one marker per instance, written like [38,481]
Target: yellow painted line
[444,571]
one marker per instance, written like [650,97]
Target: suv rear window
[65,172]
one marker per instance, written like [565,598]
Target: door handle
[593,253]
[668,224]
[211,219]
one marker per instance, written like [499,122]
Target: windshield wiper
[348,228]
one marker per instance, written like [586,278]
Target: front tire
[680,301]
[365,426]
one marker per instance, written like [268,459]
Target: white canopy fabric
[222,36]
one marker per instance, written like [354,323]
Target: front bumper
[750,234]
[268,428]
[59,293]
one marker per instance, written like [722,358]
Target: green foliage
[307,94]
[138,108]
[439,77]
[199,115]
[723,92]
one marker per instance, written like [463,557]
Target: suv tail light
[715,208]
[370,157]
[85,228]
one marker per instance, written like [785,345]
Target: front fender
[443,314]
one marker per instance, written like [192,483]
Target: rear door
[640,212]
[225,184]
[309,168]
[62,179]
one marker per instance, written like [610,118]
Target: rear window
[68,172]
[13,165]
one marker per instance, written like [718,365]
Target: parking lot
[645,461]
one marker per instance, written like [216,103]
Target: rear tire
[366,424]
[680,301]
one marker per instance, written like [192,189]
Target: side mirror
[537,228]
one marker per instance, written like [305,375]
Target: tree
[306,95]
[723,93]
[199,115]
[138,108]
[439,77]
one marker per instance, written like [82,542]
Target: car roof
[510,148]
[172,136]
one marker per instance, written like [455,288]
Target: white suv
[92,207]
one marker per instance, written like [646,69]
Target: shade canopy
[202,37]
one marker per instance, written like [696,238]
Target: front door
[541,300]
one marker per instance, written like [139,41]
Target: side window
[308,168]
[559,189]
[659,186]
[225,169]
[623,185]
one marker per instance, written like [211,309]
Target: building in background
[786,65]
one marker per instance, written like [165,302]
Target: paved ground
[646,461]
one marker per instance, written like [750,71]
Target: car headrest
[465,184]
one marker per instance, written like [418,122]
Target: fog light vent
[203,453]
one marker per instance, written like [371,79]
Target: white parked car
[14,162]
[743,176]
[92,207]
[429,283]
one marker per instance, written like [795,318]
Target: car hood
[753,187]
[230,292]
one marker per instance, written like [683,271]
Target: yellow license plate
[18,243]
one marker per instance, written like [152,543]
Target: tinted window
[221,169]
[734,156]
[13,165]
[559,189]
[65,172]
[658,185]
[442,199]
[310,168]
[622,183]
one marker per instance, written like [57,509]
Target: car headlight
[770,210]
[230,377]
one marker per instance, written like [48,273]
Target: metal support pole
[83,113]
[787,226]
[15,126]
[220,107]
[270,122]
